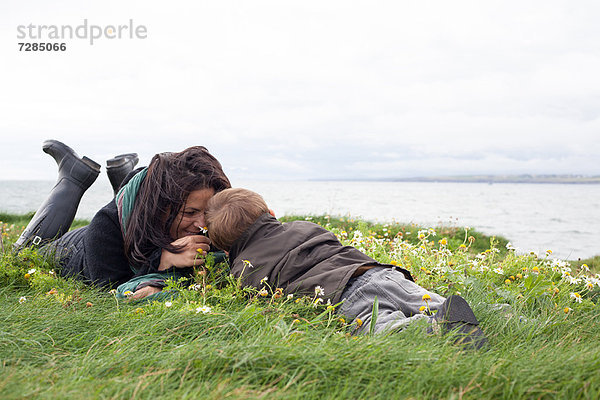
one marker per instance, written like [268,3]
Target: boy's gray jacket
[296,256]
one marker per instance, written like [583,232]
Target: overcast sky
[311,89]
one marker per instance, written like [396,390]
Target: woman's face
[190,220]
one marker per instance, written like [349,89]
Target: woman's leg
[55,215]
[69,246]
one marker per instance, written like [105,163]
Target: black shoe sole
[122,159]
[456,316]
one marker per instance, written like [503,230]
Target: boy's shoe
[456,316]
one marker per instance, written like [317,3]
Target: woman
[153,225]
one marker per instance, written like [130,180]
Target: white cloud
[303,89]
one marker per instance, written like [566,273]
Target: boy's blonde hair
[230,212]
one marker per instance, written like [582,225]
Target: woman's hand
[145,292]
[190,255]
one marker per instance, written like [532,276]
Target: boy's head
[230,212]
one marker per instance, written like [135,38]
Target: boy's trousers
[399,300]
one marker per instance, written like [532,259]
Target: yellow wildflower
[263,292]
[576,296]
[567,310]
[342,320]
[89,304]
[27,276]
[426,297]
[443,241]
[535,269]
[359,322]
[519,276]
[585,267]
[200,251]
[422,309]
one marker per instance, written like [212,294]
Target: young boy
[305,259]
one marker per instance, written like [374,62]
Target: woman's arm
[103,260]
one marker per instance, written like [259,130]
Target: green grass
[21,220]
[408,232]
[56,345]
[593,263]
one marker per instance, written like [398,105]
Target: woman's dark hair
[170,179]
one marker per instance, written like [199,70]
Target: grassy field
[61,339]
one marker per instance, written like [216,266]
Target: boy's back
[296,256]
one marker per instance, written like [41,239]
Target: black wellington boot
[55,215]
[455,315]
[118,167]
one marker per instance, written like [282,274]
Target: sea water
[534,217]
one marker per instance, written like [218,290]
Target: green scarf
[125,198]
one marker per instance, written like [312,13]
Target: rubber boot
[455,315]
[118,167]
[55,215]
